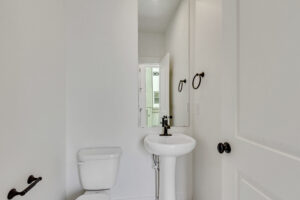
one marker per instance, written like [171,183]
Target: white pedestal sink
[168,148]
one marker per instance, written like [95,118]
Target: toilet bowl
[98,170]
[95,195]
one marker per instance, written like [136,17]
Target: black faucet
[165,125]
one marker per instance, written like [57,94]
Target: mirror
[163,62]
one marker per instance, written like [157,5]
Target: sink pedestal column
[167,167]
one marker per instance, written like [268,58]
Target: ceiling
[154,15]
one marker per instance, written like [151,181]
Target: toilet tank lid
[99,153]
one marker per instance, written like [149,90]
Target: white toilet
[98,170]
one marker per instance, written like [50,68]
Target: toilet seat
[94,195]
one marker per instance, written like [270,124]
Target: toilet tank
[98,167]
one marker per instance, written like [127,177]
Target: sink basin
[175,145]
[168,148]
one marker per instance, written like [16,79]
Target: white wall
[151,47]
[177,44]
[206,100]
[102,96]
[102,99]
[32,103]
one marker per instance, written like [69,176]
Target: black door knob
[224,147]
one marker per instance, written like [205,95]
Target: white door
[261,99]
[164,88]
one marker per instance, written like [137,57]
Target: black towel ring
[180,85]
[200,78]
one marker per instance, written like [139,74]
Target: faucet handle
[163,120]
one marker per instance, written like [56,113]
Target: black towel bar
[31,180]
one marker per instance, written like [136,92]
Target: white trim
[148,197]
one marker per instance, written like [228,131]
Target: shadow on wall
[75,195]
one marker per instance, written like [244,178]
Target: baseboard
[134,198]
[149,197]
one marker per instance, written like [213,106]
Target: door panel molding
[267,170]
[266,147]
[277,144]
[251,192]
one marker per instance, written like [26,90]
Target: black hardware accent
[200,78]
[165,125]
[180,85]
[31,180]
[224,147]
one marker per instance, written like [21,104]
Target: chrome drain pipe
[156,168]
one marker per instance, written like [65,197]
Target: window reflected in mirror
[150,93]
